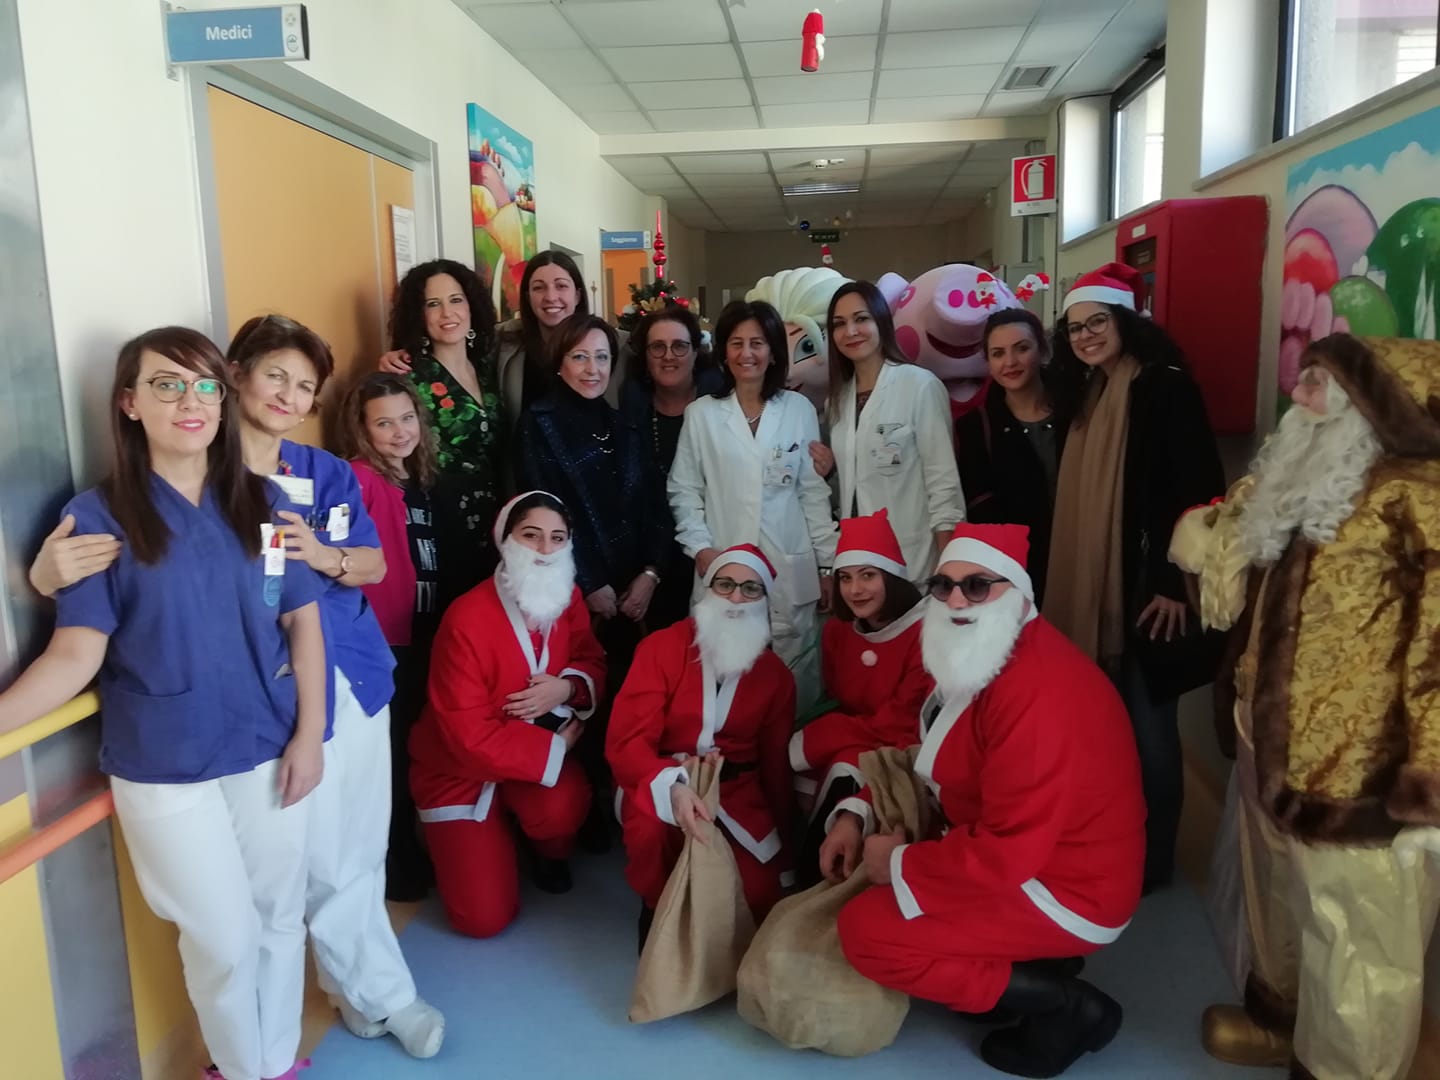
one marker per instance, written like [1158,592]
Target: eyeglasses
[750,590]
[974,587]
[169,389]
[677,349]
[1095,324]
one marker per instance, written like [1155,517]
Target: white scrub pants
[356,952]
[223,862]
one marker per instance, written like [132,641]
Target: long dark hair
[354,438]
[407,314]
[638,368]
[530,331]
[240,493]
[266,334]
[842,368]
[773,329]
[1142,338]
[900,596]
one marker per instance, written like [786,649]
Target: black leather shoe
[1063,1018]
[1066,967]
[551,875]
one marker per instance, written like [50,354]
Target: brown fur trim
[1267,1007]
[1405,429]
[1316,818]
[1275,642]
[1415,797]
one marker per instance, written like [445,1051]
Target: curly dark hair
[772,326]
[1142,338]
[407,314]
[638,369]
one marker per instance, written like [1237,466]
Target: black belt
[732,769]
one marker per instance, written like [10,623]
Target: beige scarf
[1085,590]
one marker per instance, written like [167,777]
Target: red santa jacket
[879,682]
[671,708]
[464,743]
[1039,782]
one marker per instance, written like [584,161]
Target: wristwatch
[345,564]
[648,572]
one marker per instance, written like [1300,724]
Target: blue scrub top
[196,682]
[354,641]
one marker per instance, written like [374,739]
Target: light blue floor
[548,999]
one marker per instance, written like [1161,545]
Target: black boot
[1066,967]
[1063,1018]
[550,875]
[647,916]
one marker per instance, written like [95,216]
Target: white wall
[115,161]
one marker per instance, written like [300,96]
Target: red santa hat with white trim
[744,555]
[1001,549]
[1113,283]
[870,541]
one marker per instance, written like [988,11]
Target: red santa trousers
[653,847]
[475,864]
[963,960]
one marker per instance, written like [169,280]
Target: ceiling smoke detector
[825,163]
[1029,78]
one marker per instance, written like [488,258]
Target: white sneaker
[355,1022]
[419,1026]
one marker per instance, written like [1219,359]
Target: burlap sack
[795,982]
[702,924]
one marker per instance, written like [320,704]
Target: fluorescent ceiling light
[821,188]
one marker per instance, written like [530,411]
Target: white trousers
[356,952]
[224,863]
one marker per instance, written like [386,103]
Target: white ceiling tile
[647,22]
[637,65]
[725,184]
[470,5]
[780,20]
[565,67]
[618,123]
[1104,67]
[842,54]
[692,94]
[1059,42]
[917,155]
[936,170]
[600,97]
[928,184]
[943,48]
[1017,103]
[699,164]
[800,174]
[939,81]
[641,163]
[1060,10]
[818,113]
[960,14]
[906,110]
[803,89]
[704,119]
[527,26]
[996,150]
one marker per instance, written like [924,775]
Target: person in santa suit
[513,677]
[708,685]
[871,664]
[1041,844]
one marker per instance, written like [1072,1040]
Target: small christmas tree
[654,296]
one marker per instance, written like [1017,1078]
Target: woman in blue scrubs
[279,367]
[211,666]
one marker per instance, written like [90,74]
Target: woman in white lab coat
[890,433]
[743,474]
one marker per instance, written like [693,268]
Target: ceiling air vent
[1029,78]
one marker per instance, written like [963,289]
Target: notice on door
[402,220]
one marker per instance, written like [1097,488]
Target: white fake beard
[1308,476]
[964,658]
[539,585]
[731,637]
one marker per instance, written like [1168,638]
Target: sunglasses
[974,587]
[750,590]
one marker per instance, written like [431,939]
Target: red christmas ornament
[812,41]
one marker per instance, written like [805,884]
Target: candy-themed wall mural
[1362,241]
[502,205]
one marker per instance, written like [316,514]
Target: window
[1139,139]
[1337,53]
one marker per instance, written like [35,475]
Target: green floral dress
[470,437]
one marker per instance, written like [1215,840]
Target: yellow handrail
[72,712]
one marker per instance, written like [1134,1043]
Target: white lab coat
[728,487]
[901,458]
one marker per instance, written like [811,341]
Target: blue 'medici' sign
[230,34]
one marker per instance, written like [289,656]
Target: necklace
[753,420]
[603,438]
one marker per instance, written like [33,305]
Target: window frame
[1151,68]
[1285,70]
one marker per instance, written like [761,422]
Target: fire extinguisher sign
[1032,185]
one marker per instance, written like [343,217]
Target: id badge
[300,490]
[338,524]
[888,454]
[272,545]
[778,472]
